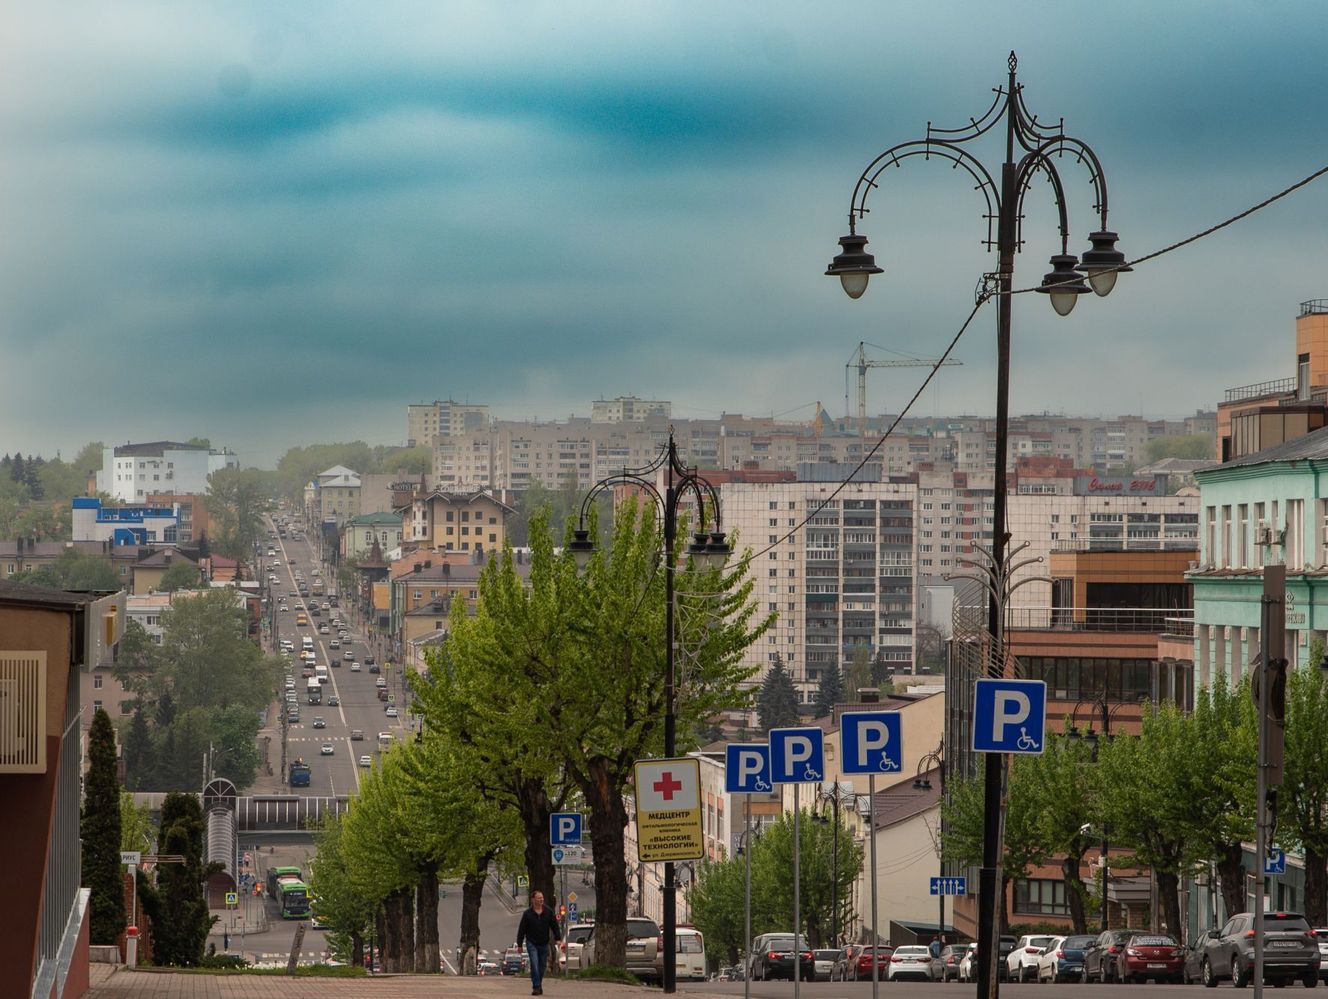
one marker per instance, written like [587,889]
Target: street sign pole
[747,906]
[1272,649]
[797,901]
[871,834]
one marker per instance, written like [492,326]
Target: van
[384,738]
[690,961]
[307,643]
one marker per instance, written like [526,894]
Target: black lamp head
[1064,284]
[854,265]
[1103,262]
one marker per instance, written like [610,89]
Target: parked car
[1100,958]
[1021,963]
[1007,945]
[1322,936]
[967,973]
[638,962]
[1062,960]
[1290,953]
[773,958]
[951,955]
[913,961]
[574,938]
[1152,955]
[841,970]
[824,963]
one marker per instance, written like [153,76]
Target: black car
[1007,946]
[1102,957]
[773,958]
[373,666]
[514,961]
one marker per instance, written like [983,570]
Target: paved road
[952,990]
[359,707]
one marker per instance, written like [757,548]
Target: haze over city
[272,225]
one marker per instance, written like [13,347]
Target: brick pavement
[111,982]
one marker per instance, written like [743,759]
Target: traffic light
[1272,717]
[562,912]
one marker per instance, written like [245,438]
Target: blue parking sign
[565,829]
[1009,716]
[746,768]
[797,755]
[871,742]
[1275,862]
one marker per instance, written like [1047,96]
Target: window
[1295,537]
[1041,895]
[96,681]
[96,706]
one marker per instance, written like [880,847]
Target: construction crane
[859,360]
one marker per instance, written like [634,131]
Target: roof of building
[45,596]
[341,476]
[155,448]
[904,801]
[164,558]
[370,519]
[1176,466]
[24,548]
[1310,446]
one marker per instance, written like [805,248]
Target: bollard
[131,947]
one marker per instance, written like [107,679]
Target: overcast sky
[279,223]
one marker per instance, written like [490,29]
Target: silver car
[913,961]
[1290,954]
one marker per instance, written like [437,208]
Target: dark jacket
[538,927]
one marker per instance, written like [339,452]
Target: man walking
[537,926]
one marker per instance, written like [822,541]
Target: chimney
[418,567]
[869,695]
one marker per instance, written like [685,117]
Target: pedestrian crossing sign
[232,898]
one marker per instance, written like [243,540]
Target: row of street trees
[542,701]
[204,686]
[1180,796]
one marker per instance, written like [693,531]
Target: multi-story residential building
[130,472]
[124,525]
[22,555]
[629,409]
[1261,509]
[463,522]
[361,533]
[838,571]
[425,422]
[1253,418]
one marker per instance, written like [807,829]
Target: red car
[862,963]
[1152,956]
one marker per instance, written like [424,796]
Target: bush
[228,962]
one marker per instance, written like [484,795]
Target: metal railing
[64,861]
[1314,306]
[1156,620]
[1276,386]
[1171,544]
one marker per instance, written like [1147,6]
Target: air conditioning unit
[22,712]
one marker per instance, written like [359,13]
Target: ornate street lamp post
[708,549]
[1031,146]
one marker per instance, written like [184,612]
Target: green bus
[276,873]
[293,898]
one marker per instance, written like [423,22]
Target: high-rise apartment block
[442,418]
[132,472]
[629,409]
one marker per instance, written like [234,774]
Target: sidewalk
[114,982]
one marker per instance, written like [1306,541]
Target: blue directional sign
[797,755]
[571,911]
[1009,716]
[565,829]
[1275,862]
[746,768]
[949,886]
[871,742]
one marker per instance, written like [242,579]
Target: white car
[327,749]
[366,762]
[354,667]
[967,972]
[574,939]
[391,711]
[912,961]
[1022,964]
[334,644]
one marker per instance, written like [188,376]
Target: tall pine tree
[830,691]
[777,703]
[179,912]
[101,834]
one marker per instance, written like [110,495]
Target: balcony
[1314,307]
[1115,543]
[1277,386]
[1147,620]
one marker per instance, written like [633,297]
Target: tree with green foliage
[100,833]
[182,575]
[1066,798]
[1304,794]
[777,703]
[858,672]
[139,755]
[571,670]
[235,503]
[1192,446]
[347,913]
[829,690]
[135,659]
[206,657]
[176,904]
[137,831]
[1156,779]
[72,570]
[716,898]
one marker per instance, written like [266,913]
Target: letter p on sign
[1012,707]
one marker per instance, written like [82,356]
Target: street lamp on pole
[710,550]
[935,760]
[835,798]
[1031,147]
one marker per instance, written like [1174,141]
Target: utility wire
[984,296]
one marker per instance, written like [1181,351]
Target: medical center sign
[668,810]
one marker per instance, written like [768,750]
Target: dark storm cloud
[284,223]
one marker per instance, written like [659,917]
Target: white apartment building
[839,571]
[131,472]
[427,421]
[629,409]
